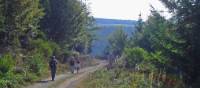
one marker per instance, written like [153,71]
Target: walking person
[77,65]
[72,64]
[53,66]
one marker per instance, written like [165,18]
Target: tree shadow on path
[44,81]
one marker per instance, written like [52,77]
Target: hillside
[105,28]
[103,21]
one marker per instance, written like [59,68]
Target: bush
[6,64]
[43,47]
[37,64]
[11,80]
[158,59]
[3,83]
[29,77]
[135,56]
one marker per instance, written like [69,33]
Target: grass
[119,78]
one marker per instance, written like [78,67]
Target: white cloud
[122,9]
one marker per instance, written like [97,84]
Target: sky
[123,9]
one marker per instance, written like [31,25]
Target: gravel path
[67,80]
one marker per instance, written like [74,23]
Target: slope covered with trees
[162,53]
[31,31]
[106,27]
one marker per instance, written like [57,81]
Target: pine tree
[139,24]
[66,21]
[186,13]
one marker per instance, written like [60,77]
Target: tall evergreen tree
[65,21]
[186,14]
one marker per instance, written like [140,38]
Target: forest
[31,31]
[160,53]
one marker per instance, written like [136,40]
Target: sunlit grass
[119,78]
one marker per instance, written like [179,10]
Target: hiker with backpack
[53,66]
[77,64]
[72,64]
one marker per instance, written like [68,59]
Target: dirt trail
[67,80]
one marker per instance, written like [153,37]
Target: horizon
[115,19]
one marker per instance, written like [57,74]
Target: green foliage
[143,60]
[37,64]
[20,18]
[44,47]
[158,59]
[83,42]
[6,64]
[31,40]
[3,83]
[67,23]
[118,78]
[158,46]
[135,56]
[173,43]
[33,67]
[101,79]
[117,41]
[186,16]
[8,78]
[11,80]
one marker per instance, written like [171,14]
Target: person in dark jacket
[72,64]
[53,65]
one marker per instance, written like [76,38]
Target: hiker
[77,64]
[110,61]
[72,64]
[52,64]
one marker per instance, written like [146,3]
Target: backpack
[53,63]
[72,62]
[78,61]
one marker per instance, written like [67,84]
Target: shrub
[158,59]
[43,47]
[138,81]
[135,56]
[6,64]
[11,80]
[29,77]
[36,64]
[3,83]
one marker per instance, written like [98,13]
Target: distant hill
[106,27]
[103,21]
